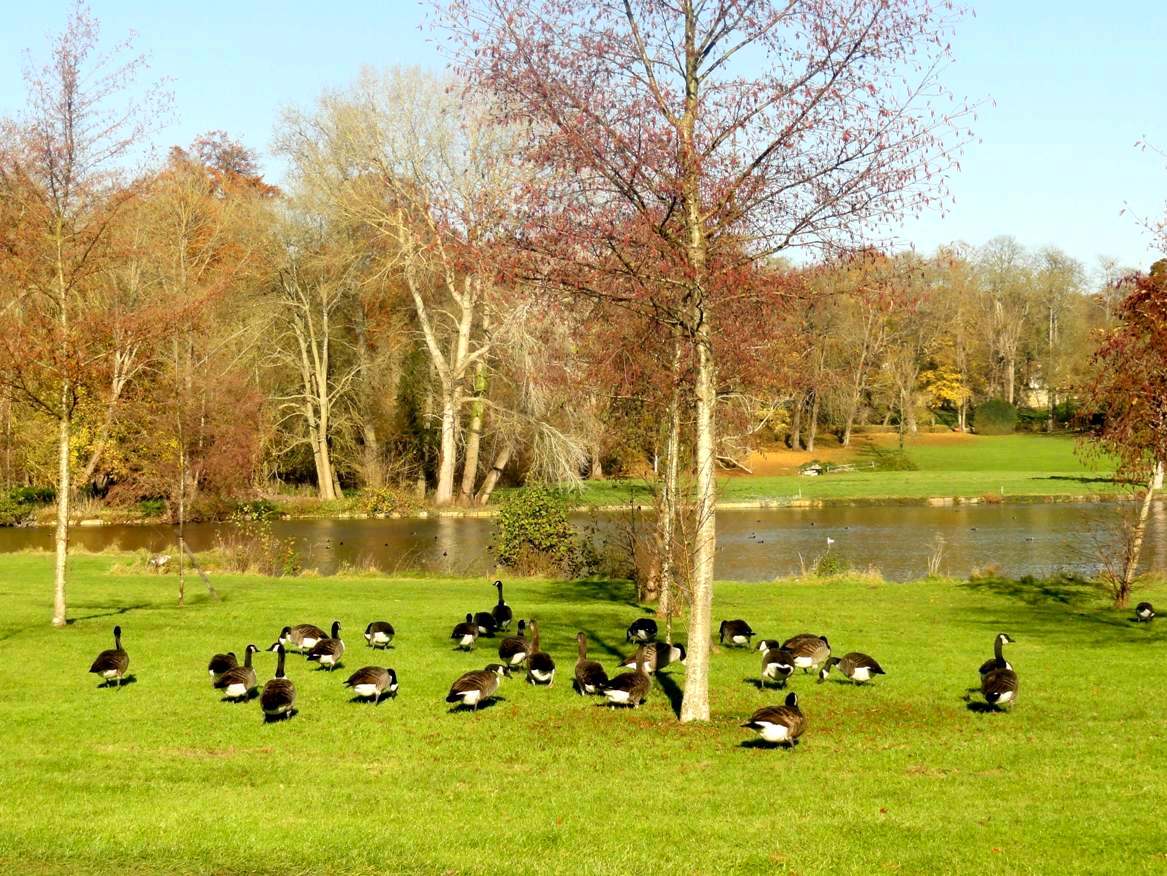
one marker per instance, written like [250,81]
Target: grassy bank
[161,777]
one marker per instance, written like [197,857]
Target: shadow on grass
[671,690]
[248,697]
[483,706]
[1070,591]
[759,742]
[116,685]
[279,719]
[113,612]
[597,590]
[1081,479]
[979,708]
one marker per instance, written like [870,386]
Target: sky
[1067,88]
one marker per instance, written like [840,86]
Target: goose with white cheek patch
[486,625]
[779,725]
[465,633]
[643,629]
[809,651]
[590,676]
[301,637]
[502,612]
[513,650]
[734,632]
[328,651]
[220,663]
[238,682]
[379,634]
[475,687]
[629,688]
[113,663]
[540,666]
[1144,613]
[859,668]
[777,666]
[373,682]
[278,699]
[999,685]
[657,655]
[765,645]
[999,643]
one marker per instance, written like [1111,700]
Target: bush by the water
[388,500]
[994,417]
[534,535]
[19,503]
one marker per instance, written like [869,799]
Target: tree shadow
[1081,479]
[597,590]
[113,612]
[1060,590]
[672,690]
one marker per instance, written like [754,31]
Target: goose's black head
[825,642]
[499,669]
[392,676]
[498,585]
[117,631]
[1005,639]
[275,646]
[251,649]
[522,626]
[792,699]
[369,628]
[284,633]
[336,629]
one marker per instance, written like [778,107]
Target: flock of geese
[780,724]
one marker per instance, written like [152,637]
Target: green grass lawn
[899,776]
[1008,465]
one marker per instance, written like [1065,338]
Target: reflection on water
[1020,539]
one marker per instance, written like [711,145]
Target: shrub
[251,546]
[994,417]
[152,507]
[12,512]
[534,535]
[384,501]
[887,458]
[256,509]
[830,564]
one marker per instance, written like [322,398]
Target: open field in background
[901,776]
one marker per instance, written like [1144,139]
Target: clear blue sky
[1074,85]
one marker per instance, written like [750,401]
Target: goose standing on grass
[999,685]
[777,666]
[643,629]
[809,651]
[1144,613]
[657,655]
[590,676]
[302,637]
[328,651]
[465,633]
[112,663]
[379,634]
[513,650]
[629,688]
[860,668]
[1001,640]
[502,612]
[540,666]
[238,682]
[278,699]
[779,724]
[472,688]
[734,632]
[372,682]
[765,645]
[220,663]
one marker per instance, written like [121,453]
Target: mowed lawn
[957,466]
[900,776]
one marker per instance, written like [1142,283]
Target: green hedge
[994,417]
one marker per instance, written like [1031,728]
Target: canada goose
[989,665]
[540,666]
[1144,612]
[502,612]
[301,637]
[590,676]
[809,651]
[328,651]
[279,694]
[371,682]
[112,663]
[513,650]
[657,655]
[856,666]
[734,632]
[779,724]
[485,621]
[473,687]
[238,682]
[220,663]
[777,666]
[379,634]
[999,685]
[643,629]
[465,633]
[765,645]
[629,688]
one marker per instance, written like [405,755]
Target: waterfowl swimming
[1144,612]
[238,682]
[328,651]
[220,663]
[734,632]
[657,655]
[629,688]
[112,663]
[999,685]
[777,666]
[808,650]
[590,676]
[999,642]
[513,650]
[858,667]
[502,612]
[540,666]
[278,699]
[472,688]
[379,634]
[485,622]
[465,633]
[779,724]
[302,637]
[643,629]
[371,682]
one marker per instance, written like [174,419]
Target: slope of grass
[162,777]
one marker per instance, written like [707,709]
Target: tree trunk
[1135,548]
[596,468]
[373,471]
[491,480]
[1010,378]
[812,422]
[474,435]
[181,523]
[668,506]
[448,455]
[64,425]
[796,423]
